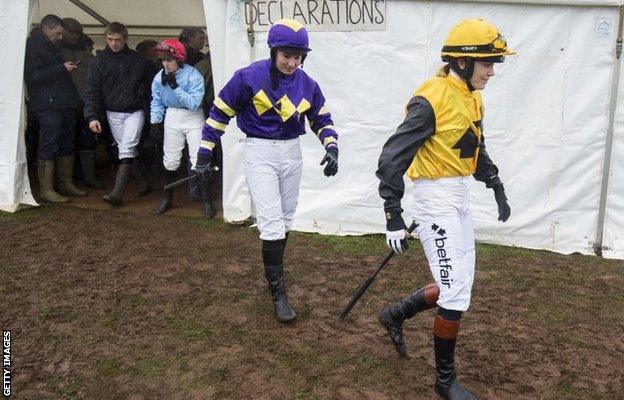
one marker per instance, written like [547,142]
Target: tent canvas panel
[368,77]
[14,183]
[549,142]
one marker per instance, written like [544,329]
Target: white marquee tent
[554,114]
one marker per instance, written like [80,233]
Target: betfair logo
[443,259]
[438,230]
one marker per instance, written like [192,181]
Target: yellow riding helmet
[475,38]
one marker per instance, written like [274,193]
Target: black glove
[504,211]
[203,167]
[331,158]
[169,79]
[156,132]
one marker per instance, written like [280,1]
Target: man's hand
[70,66]
[95,126]
[203,166]
[331,158]
[504,211]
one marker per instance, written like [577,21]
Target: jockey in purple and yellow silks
[270,100]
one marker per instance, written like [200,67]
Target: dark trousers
[56,133]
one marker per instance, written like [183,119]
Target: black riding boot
[140,174]
[87,163]
[195,190]
[121,180]
[445,329]
[392,317]
[206,192]
[167,201]
[274,273]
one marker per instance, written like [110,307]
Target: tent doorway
[145,27]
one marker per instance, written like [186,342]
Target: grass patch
[191,329]
[349,245]
[70,389]
[305,394]
[372,368]
[499,252]
[108,367]
[221,374]
[150,368]
[26,214]
[110,320]
[320,360]
[566,390]
[301,361]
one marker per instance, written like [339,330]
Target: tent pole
[89,11]
[606,167]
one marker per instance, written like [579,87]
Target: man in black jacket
[194,39]
[78,47]
[53,98]
[118,81]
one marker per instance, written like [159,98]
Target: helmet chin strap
[274,70]
[465,73]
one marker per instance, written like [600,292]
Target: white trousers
[126,129]
[442,208]
[181,126]
[273,173]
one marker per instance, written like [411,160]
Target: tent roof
[143,17]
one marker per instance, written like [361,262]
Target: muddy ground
[112,304]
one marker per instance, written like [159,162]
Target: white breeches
[273,173]
[442,208]
[126,129]
[181,126]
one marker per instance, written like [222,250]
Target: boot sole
[70,194]
[55,201]
[288,319]
[445,394]
[160,211]
[111,201]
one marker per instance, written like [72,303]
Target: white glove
[397,241]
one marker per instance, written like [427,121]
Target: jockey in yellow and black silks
[439,145]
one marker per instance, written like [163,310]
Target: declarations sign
[318,15]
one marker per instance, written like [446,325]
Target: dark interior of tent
[142,38]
